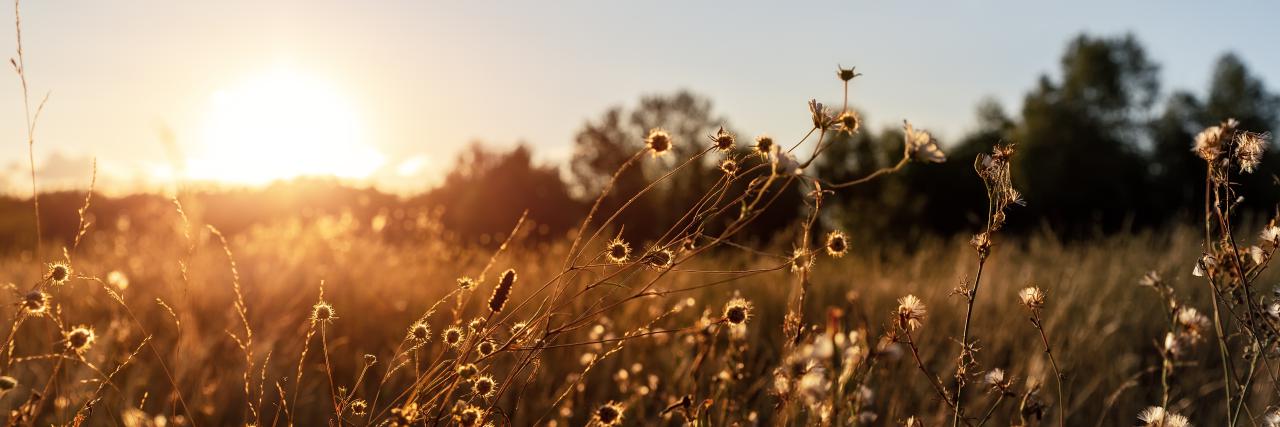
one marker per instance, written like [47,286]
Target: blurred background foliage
[1101,150]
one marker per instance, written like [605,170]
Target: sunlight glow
[278,125]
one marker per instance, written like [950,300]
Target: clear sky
[392,89]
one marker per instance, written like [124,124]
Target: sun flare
[278,125]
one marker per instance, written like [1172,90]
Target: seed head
[359,407]
[737,311]
[469,416]
[453,336]
[1249,148]
[486,347]
[822,118]
[846,74]
[466,283]
[764,146]
[35,303]
[322,312]
[503,291]
[484,386]
[1032,297]
[849,122]
[420,331]
[921,146]
[837,244]
[911,313]
[1156,416]
[801,260]
[609,414]
[59,273]
[998,380]
[467,371]
[659,141]
[1192,324]
[617,251]
[79,339]
[1208,143]
[1271,235]
[729,167]
[659,258]
[723,140]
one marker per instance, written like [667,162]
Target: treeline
[1101,149]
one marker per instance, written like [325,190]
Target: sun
[281,124]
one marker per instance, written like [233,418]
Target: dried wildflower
[998,380]
[503,291]
[1249,148]
[486,347]
[837,245]
[1208,143]
[609,414]
[1270,235]
[729,167]
[466,283]
[921,146]
[982,243]
[849,122]
[617,251]
[453,336]
[659,258]
[322,312]
[1032,297]
[79,338]
[35,303]
[846,74]
[1156,416]
[801,260]
[1192,324]
[359,407]
[484,386]
[785,163]
[1151,279]
[723,140]
[467,370]
[658,141]
[59,273]
[912,421]
[1205,265]
[420,331]
[911,312]
[469,416]
[737,311]
[764,146]
[822,118]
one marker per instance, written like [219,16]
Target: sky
[385,93]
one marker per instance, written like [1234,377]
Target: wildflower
[35,303]
[729,167]
[466,283]
[59,273]
[466,371]
[1208,143]
[502,291]
[1192,323]
[849,122]
[420,331]
[737,311]
[469,416]
[659,258]
[1155,416]
[723,140]
[79,338]
[981,242]
[484,386]
[821,115]
[921,146]
[1204,265]
[1032,297]
[764,146]
[911,312]
[785,163]
[322,312]
[837,244]
[846,74]
[1249,148]
[1152,279]
[486,347]
[1272,419]
[659,141]
[359,407]
[609,414]
[453,336]
[912,421]
[801,260]
[617,250]
[998,381]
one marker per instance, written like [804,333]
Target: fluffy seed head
[35,303]
[849,122]
[486,347]
[503,291]
[469,416]
[911,312]
[723,140]
[1249,148]
[737,311]
[921,146]
[484,386]
[322,312]
[617,251]
[79,338]
[837,245]
[466,371]
[764,146]
[1156,416]
[729,167]
[609,414]
[1208,143]
[659,258]
[59,273]
[1032,297]
[659,141]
